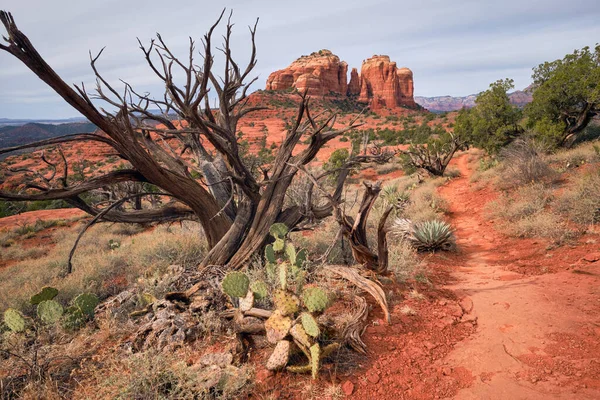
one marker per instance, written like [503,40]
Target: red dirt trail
[538,337]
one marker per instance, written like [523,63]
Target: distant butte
[380,83]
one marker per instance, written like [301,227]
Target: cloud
[454,48]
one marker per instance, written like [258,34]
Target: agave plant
[432,235]
[425,236]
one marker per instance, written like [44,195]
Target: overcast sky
[453,47]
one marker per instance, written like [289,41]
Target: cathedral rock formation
[380,83]
[321,72]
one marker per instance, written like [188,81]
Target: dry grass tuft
[582,203]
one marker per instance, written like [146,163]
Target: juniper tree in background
[566,97]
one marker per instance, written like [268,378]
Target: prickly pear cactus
[73,318]
[278,230]
[14,320]
[329,349]
[300,369]
[280,356]
[310,324]
[290,252]
[283,275]
[278,244]
[235,284]
[260,289]
[286,302]
[315,299]
[47,293]
[49,311]
[87,303]
[277,327]
[315,359]
[270,254]
[299,334]
[247,302]
[301,258]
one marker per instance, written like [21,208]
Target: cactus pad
[278,244]
[280,356]
[278,230]
[14,320]
[315,299]
[147,299]
[310,324]
[329,349]
[49,311]
[283,273]
[73,318]
[277,327]
[86,302]
[247,302]
[299,334]
[300,369]
[47,293]
[301,258]
[235,284]
[260,289]
[315,359]
[286,302]
[290,252]
[270,253]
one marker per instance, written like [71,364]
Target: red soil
[31,217]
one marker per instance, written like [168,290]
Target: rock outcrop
[321,72]
[383,84]
[354,85]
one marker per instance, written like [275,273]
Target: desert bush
[524,162]
[153,376]
[526,213]
[425,202]
[582,203]
[524,202]
[575,157]
[403,259]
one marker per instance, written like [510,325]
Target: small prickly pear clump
[49,311]
[293,324]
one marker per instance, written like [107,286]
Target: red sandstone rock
[321,72]
[383,84]
[354,85]
[348,388]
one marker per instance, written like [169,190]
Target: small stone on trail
[466,304]
[372,377]
[348,388]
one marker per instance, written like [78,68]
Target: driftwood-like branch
[374,289]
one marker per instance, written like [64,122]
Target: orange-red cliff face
[381,83]
[354,85]
[321,72]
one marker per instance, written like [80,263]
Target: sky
[454,48]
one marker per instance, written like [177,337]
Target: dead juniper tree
[194,157]
[435,155]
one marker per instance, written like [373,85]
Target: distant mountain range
[14,135]
[448,103]
[18,122]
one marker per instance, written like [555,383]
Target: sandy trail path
[538,336]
